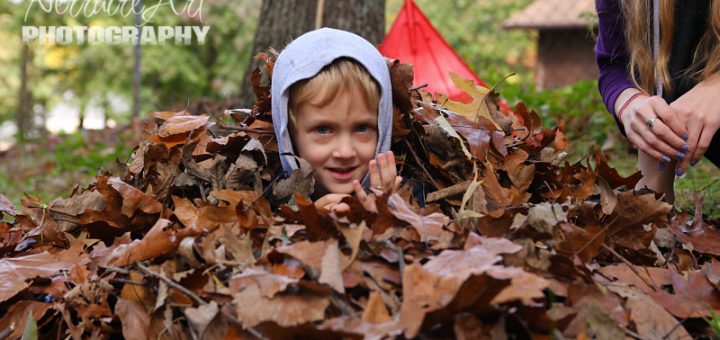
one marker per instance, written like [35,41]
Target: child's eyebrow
[366,120]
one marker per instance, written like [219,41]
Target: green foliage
[74,154]
[714,322]
[172,74]
[52,168]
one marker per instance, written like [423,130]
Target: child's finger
[360,193]
[340,208]
[328,200]
[398,181]
[392,169]
[374,174]
[387,171]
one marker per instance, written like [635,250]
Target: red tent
[413,39]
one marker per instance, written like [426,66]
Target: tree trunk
[281,21]
[24,116]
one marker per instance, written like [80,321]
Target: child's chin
[340,188]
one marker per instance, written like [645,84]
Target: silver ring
[651,122]
[378,188]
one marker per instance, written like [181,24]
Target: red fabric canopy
[413,39]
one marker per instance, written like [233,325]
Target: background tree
[281,21]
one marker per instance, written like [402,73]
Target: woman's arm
[611,56]
[631,111]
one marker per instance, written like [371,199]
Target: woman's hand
[654,128]
[699,108]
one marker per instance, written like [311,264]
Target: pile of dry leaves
[494,235]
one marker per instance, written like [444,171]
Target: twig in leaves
[236,321]
[632,267]
[600,232]
[673,329]
[452,190]
[247,129]
[171,283]
[126,281]
[417,87]
[117,270]
[343,305]
[420,163]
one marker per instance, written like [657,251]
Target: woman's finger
[649,118]
[663,132]
[640,143]
[694,130]
[671,119]
[703,144]
[652,140]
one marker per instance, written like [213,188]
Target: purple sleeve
[611,54]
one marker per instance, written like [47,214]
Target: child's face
[338,139]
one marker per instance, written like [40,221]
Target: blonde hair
[638,33]
[341,75]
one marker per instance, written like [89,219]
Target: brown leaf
[309,253]
[199,318]
[270,284]
[520,174]
[375,312]
[545,216]
[181,124]
[401,76]
[109,203]
[491,244]
[583,242]
[18,315]
[632,213]
[318,224]
[136,322]
[300,181]
[433,286]
[162,238]
[608,199]
[694,296]
[7,207]
[345,325]
[137,291]
[330,272]
[203,217]
[523,286]
[284,309]
[704,238]
[251,207]
[17,273]
[482,104]
[652,321]
[622,273]
[430,228]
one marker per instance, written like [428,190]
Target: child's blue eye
[322,130]
[363,128]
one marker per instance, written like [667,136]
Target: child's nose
[344,148]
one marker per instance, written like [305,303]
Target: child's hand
[384,179]
[331,202]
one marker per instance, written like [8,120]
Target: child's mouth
[342,174]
